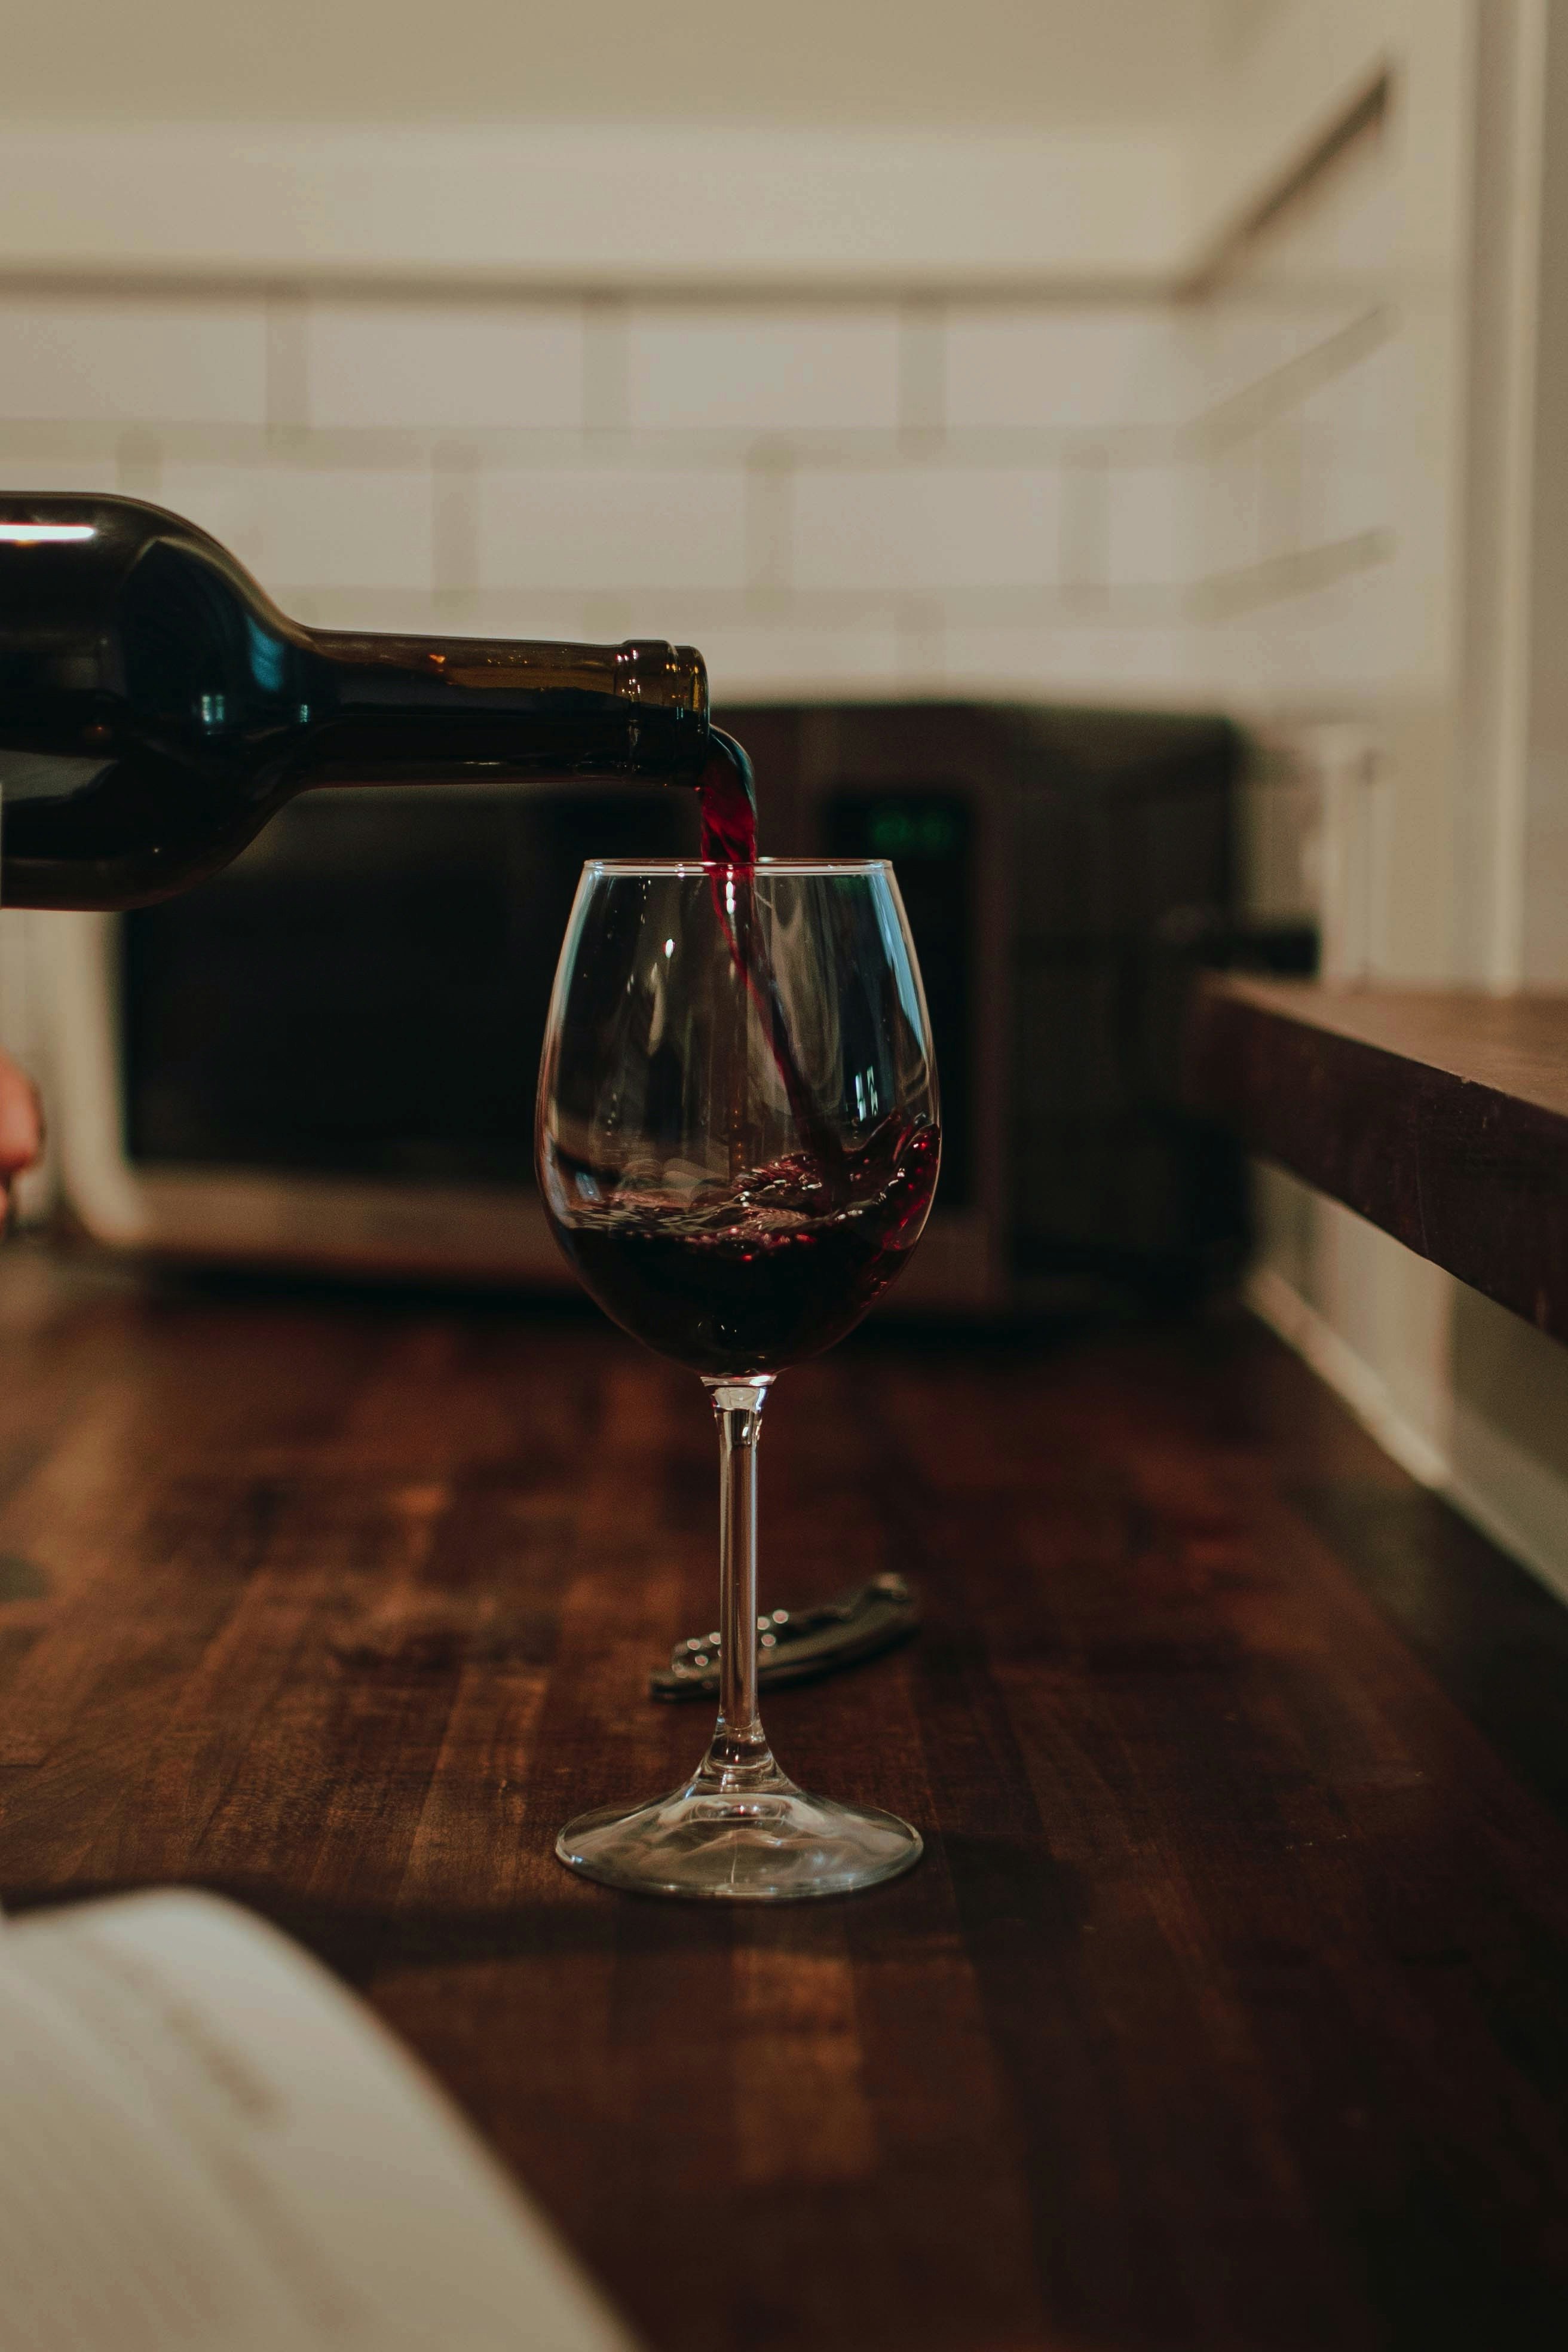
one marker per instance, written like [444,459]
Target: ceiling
[1054,64]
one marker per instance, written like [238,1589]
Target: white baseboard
[1504,1492]
[1531,1523]
[1277,1302]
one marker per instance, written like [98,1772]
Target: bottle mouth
[662,676]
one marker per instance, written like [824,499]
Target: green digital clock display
[913,829]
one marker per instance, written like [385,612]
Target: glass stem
[738,1755]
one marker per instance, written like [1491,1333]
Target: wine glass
[737,1146]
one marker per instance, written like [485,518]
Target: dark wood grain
[1439,1114]
[1230,2007]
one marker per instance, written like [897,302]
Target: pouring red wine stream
[727,797]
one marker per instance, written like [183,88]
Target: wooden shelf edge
[1439,1115]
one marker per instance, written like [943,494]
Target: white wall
[1413,789]
[1336,342]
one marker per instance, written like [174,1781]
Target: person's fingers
[21,1123]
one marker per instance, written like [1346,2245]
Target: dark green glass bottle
[156,707]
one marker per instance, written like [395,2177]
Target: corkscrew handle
[797,1645]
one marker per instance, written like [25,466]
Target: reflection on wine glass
[737,1147]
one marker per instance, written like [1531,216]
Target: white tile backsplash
[443,367]
[1094,369]
[1253,345]
[928,528]
[68,360]
[1282,475]
[764,370]
[350,529]
[72,473]
[302,528]
[1231,506]
[1328,645]
[1068,660]
[1150,526]
[863,655]
[1347,486]
[1357,400]
[1347,456]
[232,501]
[612,528]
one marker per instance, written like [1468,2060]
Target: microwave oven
[325,1058]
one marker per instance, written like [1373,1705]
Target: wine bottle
[156,707]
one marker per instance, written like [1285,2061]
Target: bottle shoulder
[116,598]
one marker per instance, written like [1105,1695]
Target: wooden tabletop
[1229,2008]
[1439,1114]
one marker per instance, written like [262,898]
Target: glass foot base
[768,1842]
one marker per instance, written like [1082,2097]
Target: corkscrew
[796,1645]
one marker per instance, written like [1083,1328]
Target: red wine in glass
[767,1270]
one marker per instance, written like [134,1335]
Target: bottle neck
[377,708]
